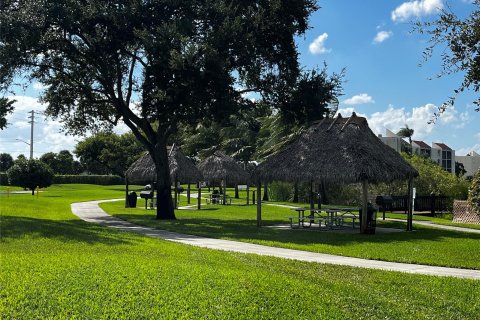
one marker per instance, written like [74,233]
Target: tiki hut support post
[363,222]
[410,204]
[127,205]
[319,196]
[188,193]
[175,188]
[199,197]
[248,194]
[312,202]
[259,204]
[225,189]
[237,196]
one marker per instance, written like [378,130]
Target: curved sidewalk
[91,212]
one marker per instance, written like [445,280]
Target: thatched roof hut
[341,150]
[219,165]
[182,169]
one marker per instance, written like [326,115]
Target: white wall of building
[471,162]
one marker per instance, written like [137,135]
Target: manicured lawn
[55,266]
[238,222]
[444,219]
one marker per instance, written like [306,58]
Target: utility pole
[32,117]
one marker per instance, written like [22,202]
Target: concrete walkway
[91,212]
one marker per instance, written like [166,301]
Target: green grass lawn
[55,266]
[443,219]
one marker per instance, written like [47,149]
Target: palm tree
[406,132]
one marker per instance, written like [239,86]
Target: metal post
[199,197]
[31,133]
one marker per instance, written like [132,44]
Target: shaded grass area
[423,246]
[55,266]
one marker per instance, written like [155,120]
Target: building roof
[341,150]
[442,146]
[421,144]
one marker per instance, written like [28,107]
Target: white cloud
[417,119]
[26,104]
[362,98]
[416,8]
[347,112]
[318,45]
[38,86]
[382,36]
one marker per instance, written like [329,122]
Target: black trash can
[371,218]
[132,199]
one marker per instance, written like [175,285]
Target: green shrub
[280,191]
[103,180]
[474,193]
[30,174]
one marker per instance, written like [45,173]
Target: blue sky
[372,39]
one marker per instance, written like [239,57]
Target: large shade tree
[108,152]
[152,64]
[62,162]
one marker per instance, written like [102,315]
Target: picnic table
[331,218]
[217,198]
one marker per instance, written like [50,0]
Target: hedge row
[104,180]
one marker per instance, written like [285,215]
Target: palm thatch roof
[341,150]
[219,165]
[143,170]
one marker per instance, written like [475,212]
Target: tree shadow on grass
[246,230]
[64,230]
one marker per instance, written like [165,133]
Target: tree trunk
[236,192]
[165,209]
[295,192]
[323,192]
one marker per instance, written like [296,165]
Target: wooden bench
[350,216]
[310,219]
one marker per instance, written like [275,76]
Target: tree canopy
[61,162]
[30,174]
[152,64]
[108,153]
[474,193]
[6,107]
[6,161]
